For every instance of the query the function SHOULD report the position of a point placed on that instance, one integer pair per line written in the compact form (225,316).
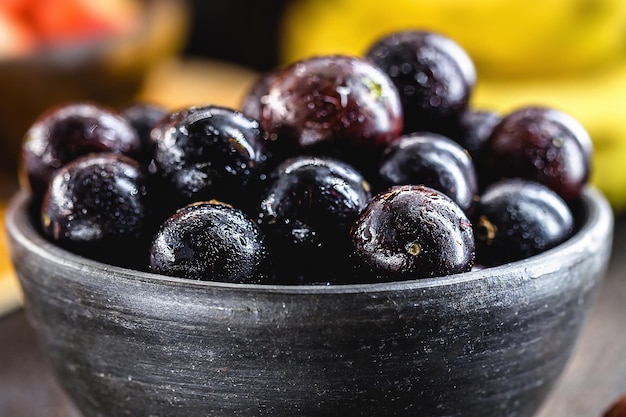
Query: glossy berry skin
(211,241)
(476,128)
(66,132)
(306,214)
(540,144)
(96,206)
(143,117)
(412,232)
(255,98)
(433,74)
(433,160)
(516,218)
(204,153)
(336,105)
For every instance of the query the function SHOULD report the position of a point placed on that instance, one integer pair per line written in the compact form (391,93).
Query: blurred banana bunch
(568,54)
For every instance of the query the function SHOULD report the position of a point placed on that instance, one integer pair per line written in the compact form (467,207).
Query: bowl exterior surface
(489,343)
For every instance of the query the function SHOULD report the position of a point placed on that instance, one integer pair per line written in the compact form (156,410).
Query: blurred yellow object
(597,100)
(178,83)
(568,54)
(10,291)
(504,37)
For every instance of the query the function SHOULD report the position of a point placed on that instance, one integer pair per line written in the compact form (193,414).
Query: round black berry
(307,213)
(413,231)
(516,218)
(66,132)
(205,153)
(96,206)
(540,144)
(433,74)
(341,106)
(433,160)
(211,241)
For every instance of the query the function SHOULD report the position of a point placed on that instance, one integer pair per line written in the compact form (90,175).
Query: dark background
(239,31)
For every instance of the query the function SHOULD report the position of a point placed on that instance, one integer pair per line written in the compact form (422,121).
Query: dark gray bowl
(484,343)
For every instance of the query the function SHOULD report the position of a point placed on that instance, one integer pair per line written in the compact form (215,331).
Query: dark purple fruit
(96,206)
(516,218)
(211,241)
(433,160)
(66,132)
(143,117)
(254,100)
(433,74)
(337,105)
(411,232)
(476,128)
(543,145)
(205,153)
(306,215)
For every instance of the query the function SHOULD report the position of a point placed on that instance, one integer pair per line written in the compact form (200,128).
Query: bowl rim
(598,220)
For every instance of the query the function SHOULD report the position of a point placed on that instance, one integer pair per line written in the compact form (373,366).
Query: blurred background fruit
(54,51)
(49,23)
(504,37)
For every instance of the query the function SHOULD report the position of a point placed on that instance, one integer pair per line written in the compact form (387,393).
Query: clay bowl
(490,342)
(108,70)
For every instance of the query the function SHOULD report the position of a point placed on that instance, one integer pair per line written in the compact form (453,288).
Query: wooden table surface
(593,379)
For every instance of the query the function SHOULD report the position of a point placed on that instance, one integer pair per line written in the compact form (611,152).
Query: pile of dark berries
(336,169)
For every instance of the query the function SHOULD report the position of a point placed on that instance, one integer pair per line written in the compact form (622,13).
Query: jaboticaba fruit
(413,232)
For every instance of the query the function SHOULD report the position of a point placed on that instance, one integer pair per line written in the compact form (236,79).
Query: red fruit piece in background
(58,21)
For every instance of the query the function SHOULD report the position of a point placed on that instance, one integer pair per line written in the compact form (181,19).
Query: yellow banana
(596,99)
(504,37)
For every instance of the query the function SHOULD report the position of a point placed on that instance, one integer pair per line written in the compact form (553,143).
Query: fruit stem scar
(376,89)
(414,249)
(486,231)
